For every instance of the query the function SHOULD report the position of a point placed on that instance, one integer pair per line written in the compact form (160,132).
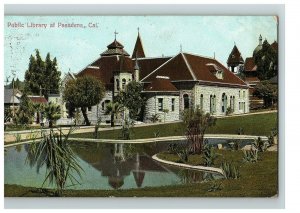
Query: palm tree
(52,113)
(113,109)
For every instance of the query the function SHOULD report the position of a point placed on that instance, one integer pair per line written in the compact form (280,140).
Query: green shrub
(181,150)
(230,171)
(209,155)
(250,156)
(215,187)
(260,145)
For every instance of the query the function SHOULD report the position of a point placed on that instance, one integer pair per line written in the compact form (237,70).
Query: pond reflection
(106,166)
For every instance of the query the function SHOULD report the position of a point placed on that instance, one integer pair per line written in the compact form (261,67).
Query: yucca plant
(230,171)
(209,155)
(250,155)
(55,153)
(260,145)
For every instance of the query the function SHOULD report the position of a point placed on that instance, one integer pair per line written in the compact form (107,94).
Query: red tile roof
(235,57)
(189,67)
(161,84)
(250,65)
(138,51)
(148,65)
(37,99)
(104,67)
(252,79)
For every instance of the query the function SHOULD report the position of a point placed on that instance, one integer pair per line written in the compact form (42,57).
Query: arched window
(215,104)
(201,101)
(224,102)
(232,99)
(123,83)
(186,101)
(118,84)
(212,104)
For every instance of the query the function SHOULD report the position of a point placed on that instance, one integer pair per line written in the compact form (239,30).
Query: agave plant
(55,153)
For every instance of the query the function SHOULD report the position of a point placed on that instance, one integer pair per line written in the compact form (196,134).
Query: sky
(75,48)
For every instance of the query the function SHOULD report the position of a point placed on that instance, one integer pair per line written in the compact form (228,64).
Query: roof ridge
(189,67)
(171,56)
(157,68)
(199,55)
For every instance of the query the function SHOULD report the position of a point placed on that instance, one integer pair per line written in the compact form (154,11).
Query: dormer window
(216,70)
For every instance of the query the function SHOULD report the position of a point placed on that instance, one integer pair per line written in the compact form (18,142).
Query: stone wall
(241,96)
(100,108)
(151,107)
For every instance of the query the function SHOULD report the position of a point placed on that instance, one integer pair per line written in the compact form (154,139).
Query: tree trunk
(112,119)
(50,124)
(86,119)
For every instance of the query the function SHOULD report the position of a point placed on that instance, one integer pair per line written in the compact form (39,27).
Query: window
(201,101)
(239,94)
(118,84)
(232,99)
(89,108)
(212,104)
(186,101)
(224,102)
(123,83)
(173,104)
(160,104)
(244,94)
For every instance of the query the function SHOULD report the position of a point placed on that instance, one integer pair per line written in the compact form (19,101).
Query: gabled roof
(138,51)
(176,68)
(9,98)
(37,99)
(250,65)
(161,84)
(190,67)
(235,57)
(115,48)
(148,65)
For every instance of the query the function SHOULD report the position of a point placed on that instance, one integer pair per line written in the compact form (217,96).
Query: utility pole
(13,84)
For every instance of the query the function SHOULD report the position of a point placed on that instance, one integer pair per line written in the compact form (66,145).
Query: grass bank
(259,124)
(257,179)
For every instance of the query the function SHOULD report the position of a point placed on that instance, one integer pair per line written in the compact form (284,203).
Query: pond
(107,166)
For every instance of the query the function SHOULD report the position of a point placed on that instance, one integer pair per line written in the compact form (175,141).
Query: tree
(268,92)
(25,112)
(132,99)
(196,124)
(52,113)
(113,109)
(266,60)
(83,92)
(42,76)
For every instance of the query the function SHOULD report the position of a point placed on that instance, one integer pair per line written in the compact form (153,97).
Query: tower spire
(116,34)
(260,39)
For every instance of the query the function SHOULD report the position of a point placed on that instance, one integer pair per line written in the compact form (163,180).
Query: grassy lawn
(257,180)
(260,124)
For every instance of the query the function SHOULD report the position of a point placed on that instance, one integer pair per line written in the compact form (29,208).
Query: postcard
(141,106)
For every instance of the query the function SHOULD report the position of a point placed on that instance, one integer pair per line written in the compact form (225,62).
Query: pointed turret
(115,48)
(235,60)
(138,51)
